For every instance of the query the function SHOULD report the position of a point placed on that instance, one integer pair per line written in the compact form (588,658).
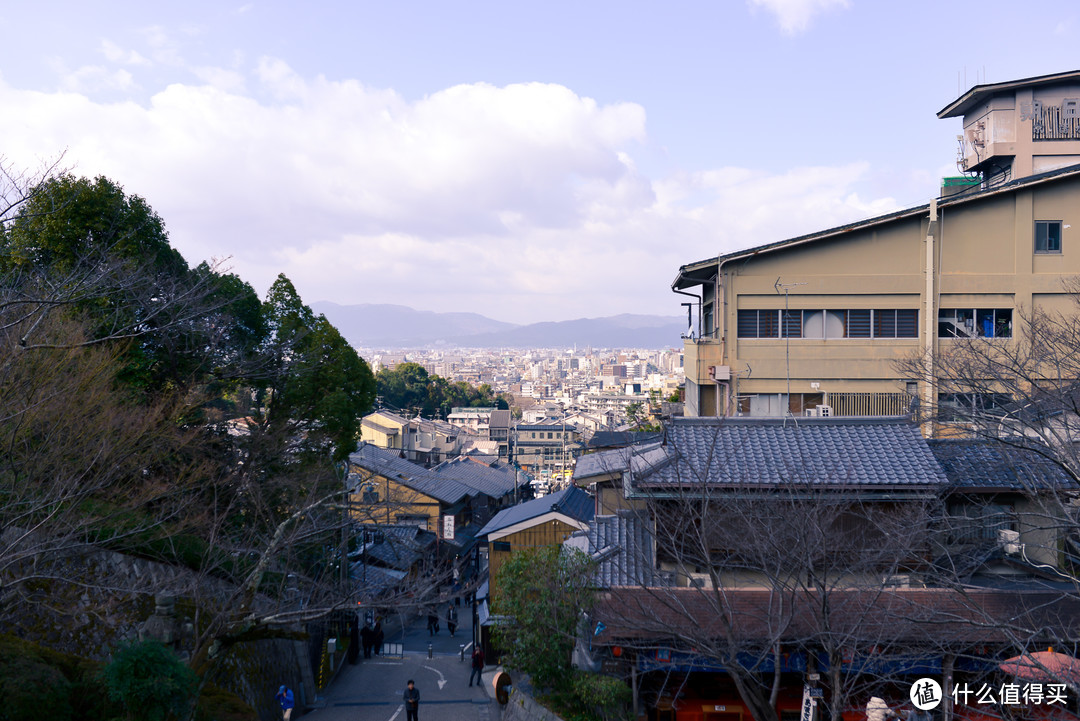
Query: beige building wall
(984,258)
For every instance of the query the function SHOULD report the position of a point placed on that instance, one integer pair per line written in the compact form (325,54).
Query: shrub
(217,704)
(30,687)
(150,681)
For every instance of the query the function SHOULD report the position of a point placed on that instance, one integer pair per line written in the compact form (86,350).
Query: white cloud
(116,54)
(521,202)
(94,78)
(794,16)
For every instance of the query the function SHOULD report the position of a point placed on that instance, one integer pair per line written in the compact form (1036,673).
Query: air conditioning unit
(898,580)
(720,373)
(699,581)
(824,410)
(1009,541)
(812,412)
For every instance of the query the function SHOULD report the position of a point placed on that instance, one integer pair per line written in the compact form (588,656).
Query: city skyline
(525,164)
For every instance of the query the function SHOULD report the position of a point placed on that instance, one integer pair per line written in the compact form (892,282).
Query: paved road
(372,689)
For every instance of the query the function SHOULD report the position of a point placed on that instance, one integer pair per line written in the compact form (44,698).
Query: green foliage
(37,682)
(73,221)
(31,688)
(217,704)
(319,382)
(411,389)
(544,591)
(591,697)
(150,681)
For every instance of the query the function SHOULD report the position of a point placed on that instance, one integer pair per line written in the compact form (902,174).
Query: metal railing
(870,404)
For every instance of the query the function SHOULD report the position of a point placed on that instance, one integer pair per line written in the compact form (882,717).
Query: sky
(526,161)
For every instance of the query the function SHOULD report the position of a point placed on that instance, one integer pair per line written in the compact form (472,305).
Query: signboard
(808,704)
(448,528)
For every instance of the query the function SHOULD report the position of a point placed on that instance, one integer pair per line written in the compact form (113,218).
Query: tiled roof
(622,547)
(995,465)
(495,480)
(389,464)
(825,452)
(571,501)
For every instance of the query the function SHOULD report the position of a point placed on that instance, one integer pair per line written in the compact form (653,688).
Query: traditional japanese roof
(610,462)
(994,465)
(622,547)
(389,464)
(842,453)
(571,503)
(400,547)
(495,480)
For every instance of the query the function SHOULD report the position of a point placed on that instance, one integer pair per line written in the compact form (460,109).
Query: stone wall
(89,602)
(523,707)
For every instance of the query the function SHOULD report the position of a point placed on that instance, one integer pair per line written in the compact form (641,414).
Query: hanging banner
(448,528)
(808,705)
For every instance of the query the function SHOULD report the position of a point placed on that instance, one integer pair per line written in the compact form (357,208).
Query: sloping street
(372,689)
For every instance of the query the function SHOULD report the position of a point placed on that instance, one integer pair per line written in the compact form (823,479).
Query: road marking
(397,712)
(384,663)
(442,679)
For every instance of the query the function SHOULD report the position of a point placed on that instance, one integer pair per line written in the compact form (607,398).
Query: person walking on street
(377,638)
(367,639)
(284,697)
(411,697)
(451,618)
(432,622)
(477,666)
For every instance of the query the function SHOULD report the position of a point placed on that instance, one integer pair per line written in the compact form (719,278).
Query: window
(901,323)
(973,523)
(964,407)
(1047,236)
(975,323)
(825,324)
(759,324)
(857,323)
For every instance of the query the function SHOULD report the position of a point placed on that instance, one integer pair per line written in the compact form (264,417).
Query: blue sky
(527,161)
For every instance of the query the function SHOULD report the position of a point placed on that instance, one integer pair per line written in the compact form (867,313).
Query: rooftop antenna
(787,336)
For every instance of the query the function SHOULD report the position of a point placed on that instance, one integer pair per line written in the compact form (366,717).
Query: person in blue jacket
(285,698)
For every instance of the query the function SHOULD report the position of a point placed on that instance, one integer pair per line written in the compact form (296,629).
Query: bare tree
(770,559)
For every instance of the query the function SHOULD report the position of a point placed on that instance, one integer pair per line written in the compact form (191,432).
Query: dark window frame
(1050,243)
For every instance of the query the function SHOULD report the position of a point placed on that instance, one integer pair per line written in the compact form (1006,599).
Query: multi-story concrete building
(817,323)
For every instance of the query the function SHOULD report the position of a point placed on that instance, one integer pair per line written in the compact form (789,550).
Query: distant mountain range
(381,325)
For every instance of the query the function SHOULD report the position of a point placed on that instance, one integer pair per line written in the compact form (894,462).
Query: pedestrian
(432,622)
(354,640)
(411,697)
(477,665)
(377,637)
(367,639)
(285,698)
(451,618)
(877,709)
